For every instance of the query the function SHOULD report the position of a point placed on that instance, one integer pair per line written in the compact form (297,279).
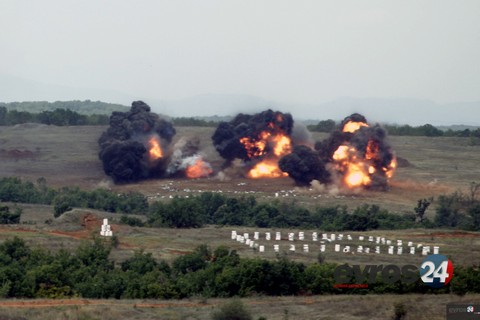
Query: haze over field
(397,62)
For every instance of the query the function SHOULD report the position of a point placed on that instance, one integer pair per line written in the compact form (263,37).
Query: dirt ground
(367,307)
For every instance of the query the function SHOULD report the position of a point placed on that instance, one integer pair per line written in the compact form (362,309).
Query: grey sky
(288,51)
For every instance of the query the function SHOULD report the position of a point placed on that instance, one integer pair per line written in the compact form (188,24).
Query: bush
(131,221)
(400,311)
(6,217)
(232,310)
(60,206)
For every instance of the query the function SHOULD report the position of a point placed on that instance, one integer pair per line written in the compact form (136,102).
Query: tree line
(88,272)
(13,189)
(57,117)
(426,130)
(86,107)
(67,117)
(457,210)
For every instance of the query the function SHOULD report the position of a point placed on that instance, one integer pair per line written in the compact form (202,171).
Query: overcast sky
(288,51)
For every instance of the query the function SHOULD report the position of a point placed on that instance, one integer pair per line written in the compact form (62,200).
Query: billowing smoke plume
(185,160)
(259,140)
(356,155)
(304,165)
(135,145)
(359,154)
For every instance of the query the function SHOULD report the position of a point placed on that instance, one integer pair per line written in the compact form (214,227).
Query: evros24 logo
(435,271)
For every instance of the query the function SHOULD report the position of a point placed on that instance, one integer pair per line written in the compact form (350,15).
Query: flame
(342,153)
(266,169)
(283,145)
(256,148)
(272,146)
(352,126)
(356,176)
(199,169)
(390,170)
(155,151)
(357,170)
(372,152)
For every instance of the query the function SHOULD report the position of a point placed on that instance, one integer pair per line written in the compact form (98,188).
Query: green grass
(67,232)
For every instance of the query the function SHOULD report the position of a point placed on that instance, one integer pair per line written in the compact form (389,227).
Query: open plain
(68,156)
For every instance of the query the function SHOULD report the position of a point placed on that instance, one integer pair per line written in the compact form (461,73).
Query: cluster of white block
(106,230)
(328,238)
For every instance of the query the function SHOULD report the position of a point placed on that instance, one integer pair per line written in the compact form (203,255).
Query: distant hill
(403,111)
(382,110)
(86,107)
(13,88)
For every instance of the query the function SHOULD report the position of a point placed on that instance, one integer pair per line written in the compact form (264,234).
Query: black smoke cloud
(327,147)
(124,146)
(226,137)
(304,165)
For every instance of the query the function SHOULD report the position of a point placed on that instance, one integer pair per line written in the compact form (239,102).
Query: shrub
(232,310)
(6,217)
(400,311)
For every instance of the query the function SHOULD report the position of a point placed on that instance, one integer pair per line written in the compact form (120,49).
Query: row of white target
(245,239)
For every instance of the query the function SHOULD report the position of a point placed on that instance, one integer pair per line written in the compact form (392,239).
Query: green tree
(422,207)
(6,217)
(141,263)
(449,212)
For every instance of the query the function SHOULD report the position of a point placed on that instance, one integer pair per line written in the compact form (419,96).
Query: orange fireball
(283,145)
(271,146)
(352,126)
(155,150)
(357,170)
(266,169)
(199,169)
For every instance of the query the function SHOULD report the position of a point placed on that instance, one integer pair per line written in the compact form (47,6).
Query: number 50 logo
(436,271)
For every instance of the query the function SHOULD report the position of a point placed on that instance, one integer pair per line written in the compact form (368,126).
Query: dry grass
(346,307)
(67,156)
(68,231)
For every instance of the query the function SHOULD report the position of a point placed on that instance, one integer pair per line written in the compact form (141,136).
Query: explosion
(137,145)
(360,154)
(352,126)
(198,169)
(185,161)
(133,146)
(260,140)
(356,155)
(266,169)
(155,151)
(272,147)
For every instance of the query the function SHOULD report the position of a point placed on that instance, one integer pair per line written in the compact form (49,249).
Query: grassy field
(345,307)
(68,156)
(70,230)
